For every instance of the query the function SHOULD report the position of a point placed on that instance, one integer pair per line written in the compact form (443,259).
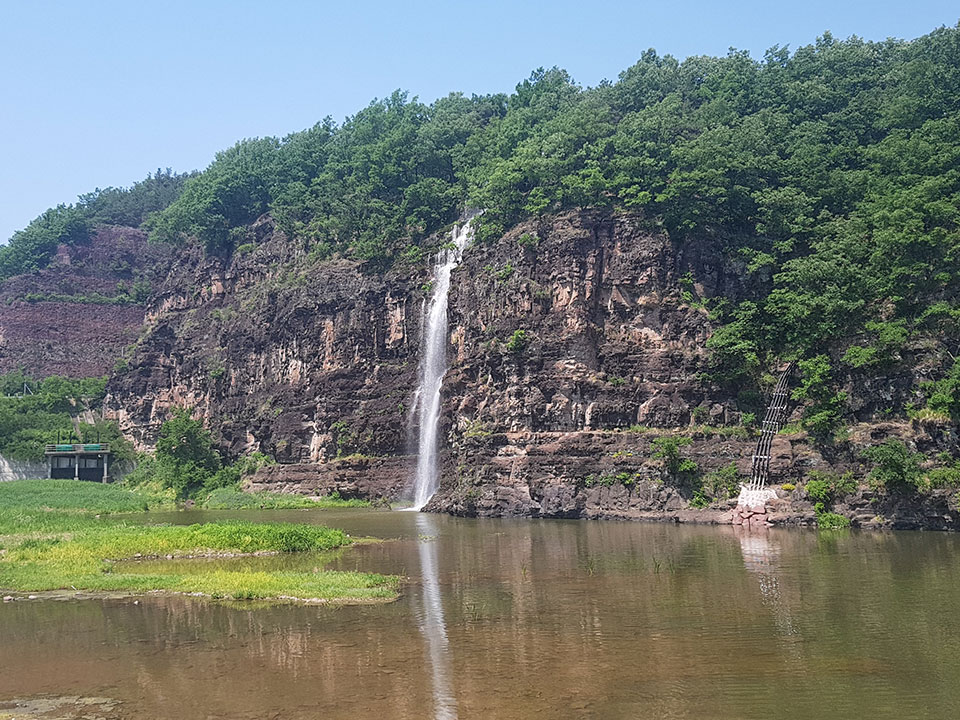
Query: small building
(81,461)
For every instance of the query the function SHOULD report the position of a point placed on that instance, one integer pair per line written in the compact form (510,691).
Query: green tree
(183,439)
(186,458)
(677,468)
(896,467)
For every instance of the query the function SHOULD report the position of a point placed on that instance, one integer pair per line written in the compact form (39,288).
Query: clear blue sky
(98,93)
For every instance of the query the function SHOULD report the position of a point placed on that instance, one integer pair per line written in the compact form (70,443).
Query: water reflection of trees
(561,618)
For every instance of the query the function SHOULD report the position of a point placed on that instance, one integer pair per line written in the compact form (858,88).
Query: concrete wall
(21,469)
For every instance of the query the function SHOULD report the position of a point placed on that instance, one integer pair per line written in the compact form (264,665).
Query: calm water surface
(525,619)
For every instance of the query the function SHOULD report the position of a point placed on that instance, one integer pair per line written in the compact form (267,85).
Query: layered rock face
(574,343)
(305,360)
(605,344)
(57,321)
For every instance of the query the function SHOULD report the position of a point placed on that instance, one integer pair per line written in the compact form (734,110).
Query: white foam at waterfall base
(755,498)
(433,365)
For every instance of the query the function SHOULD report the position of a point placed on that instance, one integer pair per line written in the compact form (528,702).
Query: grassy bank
(58,535)
(81,496)
(39,508)
(231,499)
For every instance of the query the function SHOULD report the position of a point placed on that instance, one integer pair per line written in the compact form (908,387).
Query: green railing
(77,448)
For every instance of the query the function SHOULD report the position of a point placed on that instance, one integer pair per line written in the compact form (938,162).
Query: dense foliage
(187,462)
(832,174)
(33,247)
(896,467)
(34,413)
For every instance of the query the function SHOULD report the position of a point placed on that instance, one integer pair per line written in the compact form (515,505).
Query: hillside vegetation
(830,175)
(33,247)
(34,413)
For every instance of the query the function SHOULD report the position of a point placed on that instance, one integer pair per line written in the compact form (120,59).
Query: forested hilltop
(831,174)
(33,247)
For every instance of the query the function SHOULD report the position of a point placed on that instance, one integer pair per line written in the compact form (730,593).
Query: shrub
(230,476)
(818,491)
(832,521)
(185,440)
(677,467)
(824,489)
(505,273)
(889,338)
(944,477)
(699,500)
(828,487)
(518,342)
(723,483)
(185,462)
(943,396)
(412,255)
(896,467)
(860,357)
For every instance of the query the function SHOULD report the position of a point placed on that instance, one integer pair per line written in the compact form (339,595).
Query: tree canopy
(831,173)
(33,247)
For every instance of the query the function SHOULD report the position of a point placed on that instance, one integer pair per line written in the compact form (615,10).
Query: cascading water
(433,365)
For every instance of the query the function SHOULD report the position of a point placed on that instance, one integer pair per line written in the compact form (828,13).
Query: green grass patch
(36,508)
(68,535)
(232,499)
(79,495)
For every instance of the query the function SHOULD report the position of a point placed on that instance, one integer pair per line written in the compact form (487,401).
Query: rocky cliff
(317,360)
(76,317)
(574,342)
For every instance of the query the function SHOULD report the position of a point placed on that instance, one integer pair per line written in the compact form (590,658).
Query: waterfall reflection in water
(431,621)
(761,556)
(571,620)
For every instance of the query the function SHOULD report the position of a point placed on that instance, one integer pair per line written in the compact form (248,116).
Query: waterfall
(433,364)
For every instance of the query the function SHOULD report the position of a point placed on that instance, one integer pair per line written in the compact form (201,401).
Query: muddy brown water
(524,619)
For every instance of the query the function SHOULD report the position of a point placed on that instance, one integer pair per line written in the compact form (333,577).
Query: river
(521,619)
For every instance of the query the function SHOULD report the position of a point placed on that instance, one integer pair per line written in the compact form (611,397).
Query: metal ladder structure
(772,422)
